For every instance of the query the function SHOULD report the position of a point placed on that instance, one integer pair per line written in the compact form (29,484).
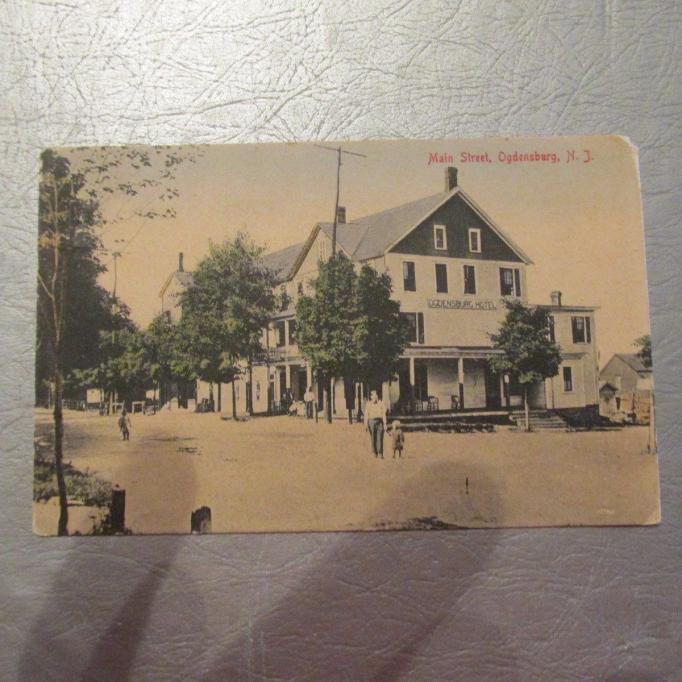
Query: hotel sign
(459,304)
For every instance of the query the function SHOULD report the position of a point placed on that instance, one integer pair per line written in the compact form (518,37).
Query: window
(469,279)
(416,325)
(474,240)
(550,324)
(280,336)
(284,299)
(568,379)
(409,280)
(440,238)
(441,278)
(292,331)
(581,329)
(510,282)
(258,390)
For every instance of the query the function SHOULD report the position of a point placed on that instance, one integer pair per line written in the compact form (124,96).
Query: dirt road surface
(289,474)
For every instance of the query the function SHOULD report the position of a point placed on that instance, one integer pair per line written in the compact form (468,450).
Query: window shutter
(517,281)
(420,327)
(588,331)
(574,329)
(469,279)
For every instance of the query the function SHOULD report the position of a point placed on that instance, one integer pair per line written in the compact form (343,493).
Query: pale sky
(579,222)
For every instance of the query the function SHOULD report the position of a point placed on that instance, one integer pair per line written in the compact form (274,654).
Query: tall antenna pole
(336,206)
(338,151)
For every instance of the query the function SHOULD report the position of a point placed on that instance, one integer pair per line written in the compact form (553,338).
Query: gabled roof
(607,384)
(634,362)
(373,235)
(184,278)
(281,262)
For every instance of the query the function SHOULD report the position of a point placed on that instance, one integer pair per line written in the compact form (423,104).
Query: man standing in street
(375,418)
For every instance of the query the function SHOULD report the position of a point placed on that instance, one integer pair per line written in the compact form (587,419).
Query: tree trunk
(220,396)
(330,387)
(525,406)
(234,401)
(62,528)
(249,393)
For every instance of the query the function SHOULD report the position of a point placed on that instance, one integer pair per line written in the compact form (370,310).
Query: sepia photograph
(343,336)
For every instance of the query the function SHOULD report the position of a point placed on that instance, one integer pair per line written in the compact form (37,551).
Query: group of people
(374,417)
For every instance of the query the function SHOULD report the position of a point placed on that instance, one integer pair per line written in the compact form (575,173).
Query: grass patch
(83,486)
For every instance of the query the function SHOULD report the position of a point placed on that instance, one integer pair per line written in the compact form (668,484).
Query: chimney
(180,264)
(450,178)
(341,215)
(556,298)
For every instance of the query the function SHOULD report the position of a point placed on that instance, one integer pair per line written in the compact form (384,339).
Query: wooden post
(412,382)
(117,510)
(201,521)
(460,380)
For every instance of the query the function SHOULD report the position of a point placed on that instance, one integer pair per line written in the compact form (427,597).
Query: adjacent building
(625,388)
(452,268)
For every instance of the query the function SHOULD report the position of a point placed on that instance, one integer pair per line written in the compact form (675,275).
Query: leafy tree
(528,353)
(326,323)
(72,307)
(123,366)
(66,246)
(644,352)
(225,310)
(166,353)
(380,332)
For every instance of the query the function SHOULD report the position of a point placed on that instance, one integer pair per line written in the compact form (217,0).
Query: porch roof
(434,352)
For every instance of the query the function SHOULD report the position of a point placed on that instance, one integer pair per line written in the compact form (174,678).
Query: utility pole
(338,151)
(328,381)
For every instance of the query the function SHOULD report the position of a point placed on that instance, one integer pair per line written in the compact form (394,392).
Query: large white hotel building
(452,267)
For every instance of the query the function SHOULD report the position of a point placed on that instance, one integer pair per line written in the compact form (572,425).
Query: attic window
(440,239)
(474,240)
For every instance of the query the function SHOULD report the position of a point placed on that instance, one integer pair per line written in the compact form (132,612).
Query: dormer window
(474,240)
(440,238)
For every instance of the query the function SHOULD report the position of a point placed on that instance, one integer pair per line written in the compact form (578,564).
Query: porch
(458,381)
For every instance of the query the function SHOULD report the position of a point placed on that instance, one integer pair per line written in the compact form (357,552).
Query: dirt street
(286,474)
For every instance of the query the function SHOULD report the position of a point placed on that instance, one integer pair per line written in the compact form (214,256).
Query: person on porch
(375,418)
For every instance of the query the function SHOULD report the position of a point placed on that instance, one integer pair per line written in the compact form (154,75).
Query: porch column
(277,387)
(288,373)
(308,376)
(460,379)
(412,382)
(501,389)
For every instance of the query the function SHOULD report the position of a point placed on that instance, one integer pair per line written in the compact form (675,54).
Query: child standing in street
(124,424)
(397,438)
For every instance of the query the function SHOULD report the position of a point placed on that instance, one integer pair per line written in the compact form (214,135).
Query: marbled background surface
(528,605)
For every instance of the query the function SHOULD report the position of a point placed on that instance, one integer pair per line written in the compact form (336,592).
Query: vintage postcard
(375,335)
